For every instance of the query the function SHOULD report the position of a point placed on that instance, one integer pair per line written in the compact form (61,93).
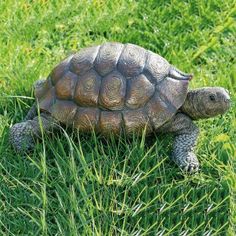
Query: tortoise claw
(190,164)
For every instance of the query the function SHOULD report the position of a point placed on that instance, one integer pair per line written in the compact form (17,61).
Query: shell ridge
(99,91)
(95,58)
(126,92)
(146,59)
(144,65)
(98,51)
(68,64)
(146,72)
(93,63)
(124,47)
(69,68)
(149,118)
(74,89)
(76,110)
(101,77)
(150,97)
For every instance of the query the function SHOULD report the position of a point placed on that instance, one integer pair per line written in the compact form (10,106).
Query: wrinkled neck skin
(191,106)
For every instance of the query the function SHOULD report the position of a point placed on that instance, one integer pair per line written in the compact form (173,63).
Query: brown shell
(112,87)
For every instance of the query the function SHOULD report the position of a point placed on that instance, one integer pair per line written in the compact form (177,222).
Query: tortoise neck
(190,106)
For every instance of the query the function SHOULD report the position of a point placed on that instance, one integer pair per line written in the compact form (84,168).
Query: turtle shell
(112,87)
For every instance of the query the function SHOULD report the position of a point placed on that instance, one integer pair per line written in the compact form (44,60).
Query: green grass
(86,185)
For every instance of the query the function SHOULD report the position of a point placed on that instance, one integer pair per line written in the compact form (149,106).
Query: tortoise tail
(179,75)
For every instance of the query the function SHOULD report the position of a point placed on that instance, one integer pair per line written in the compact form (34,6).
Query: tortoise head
(207,102)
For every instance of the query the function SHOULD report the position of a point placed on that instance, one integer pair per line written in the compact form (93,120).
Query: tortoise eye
(212,97)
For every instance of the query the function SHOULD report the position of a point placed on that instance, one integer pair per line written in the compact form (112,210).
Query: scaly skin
(22,134)
(206,102)
(186,133)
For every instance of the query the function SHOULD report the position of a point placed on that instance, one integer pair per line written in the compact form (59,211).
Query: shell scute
(110,122)
(46,102)
(64,111)
(87,89)
(112,93)
(82,61)
(156,66)
(139,91)
(136,121)
(58,72)
(132,60)
(65,86)
(159,110)
(86,119)
(175,91)
(107,58)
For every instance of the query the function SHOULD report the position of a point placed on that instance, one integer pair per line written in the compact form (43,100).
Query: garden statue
(114,88)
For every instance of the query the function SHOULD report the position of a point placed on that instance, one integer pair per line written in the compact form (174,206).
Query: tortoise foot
(187,161)
(21,137)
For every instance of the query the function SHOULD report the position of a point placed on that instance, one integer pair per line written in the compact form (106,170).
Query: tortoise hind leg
(186,133)
(22,134)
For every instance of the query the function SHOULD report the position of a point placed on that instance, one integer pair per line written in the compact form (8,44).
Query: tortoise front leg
(186,134)
(22,134)
(31,113)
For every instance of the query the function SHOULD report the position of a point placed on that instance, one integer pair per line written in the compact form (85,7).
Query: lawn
(75,184)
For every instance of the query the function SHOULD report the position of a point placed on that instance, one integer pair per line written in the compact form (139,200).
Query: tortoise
(114,88)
